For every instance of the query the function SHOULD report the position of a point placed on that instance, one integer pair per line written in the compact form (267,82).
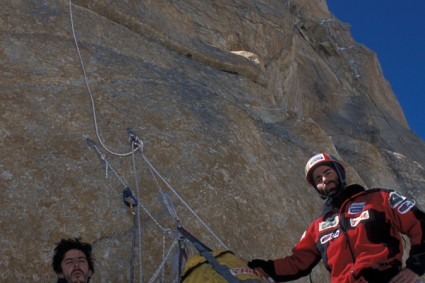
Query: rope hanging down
(139,145)
(128,198)
(142,154)
(86,81)
(131,201)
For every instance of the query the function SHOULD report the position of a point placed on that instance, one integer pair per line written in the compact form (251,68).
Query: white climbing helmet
(321,159)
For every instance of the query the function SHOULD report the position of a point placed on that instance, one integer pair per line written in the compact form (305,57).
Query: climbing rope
(86,81)
(128,198)
(182,200)
(132,202)
(136,182)
(108,166)
(126,188)
(161,265)
(133,243)
(139,143)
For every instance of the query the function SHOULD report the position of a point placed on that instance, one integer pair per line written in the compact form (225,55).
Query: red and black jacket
(360,239)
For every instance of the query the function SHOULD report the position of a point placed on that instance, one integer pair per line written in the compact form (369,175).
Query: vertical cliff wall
(229,98)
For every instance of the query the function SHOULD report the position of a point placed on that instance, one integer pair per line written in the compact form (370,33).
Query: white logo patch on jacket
(329,223)
(326,238)
(356,207)
(355,221)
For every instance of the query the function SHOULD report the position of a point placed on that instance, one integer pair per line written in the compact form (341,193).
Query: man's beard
(332,191)
(81,279)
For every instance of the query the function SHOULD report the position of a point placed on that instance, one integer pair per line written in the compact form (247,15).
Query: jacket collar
(333,204)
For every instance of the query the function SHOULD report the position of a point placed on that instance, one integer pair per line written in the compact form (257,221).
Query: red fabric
(364,234)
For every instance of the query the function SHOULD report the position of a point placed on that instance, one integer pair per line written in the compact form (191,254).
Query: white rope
(165,231)
(182,200)
(162,228)
(107,164)
(152,168)
(163,258)
(158,270)
(88,87)
(166,199)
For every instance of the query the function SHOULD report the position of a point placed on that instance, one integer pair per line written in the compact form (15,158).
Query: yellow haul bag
(199,270)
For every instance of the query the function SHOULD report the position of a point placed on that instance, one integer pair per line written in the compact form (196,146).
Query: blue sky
(395,31)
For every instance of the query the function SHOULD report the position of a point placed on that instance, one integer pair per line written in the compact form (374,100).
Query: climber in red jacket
(358,234)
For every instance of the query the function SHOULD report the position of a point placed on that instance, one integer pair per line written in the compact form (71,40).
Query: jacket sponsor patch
(356,207)
(326,238)
(329,223)
(395,199)
(406,206)
(403,204)
(355,221)
(319,157)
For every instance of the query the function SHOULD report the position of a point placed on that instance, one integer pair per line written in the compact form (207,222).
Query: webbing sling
(206,253)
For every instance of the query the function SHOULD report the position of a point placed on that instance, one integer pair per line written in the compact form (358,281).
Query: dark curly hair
(70,244)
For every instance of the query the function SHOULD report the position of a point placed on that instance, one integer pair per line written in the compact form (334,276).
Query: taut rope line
(127,192)
(184,202)
(137,145)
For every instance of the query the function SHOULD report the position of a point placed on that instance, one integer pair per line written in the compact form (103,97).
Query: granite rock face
(227,99)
